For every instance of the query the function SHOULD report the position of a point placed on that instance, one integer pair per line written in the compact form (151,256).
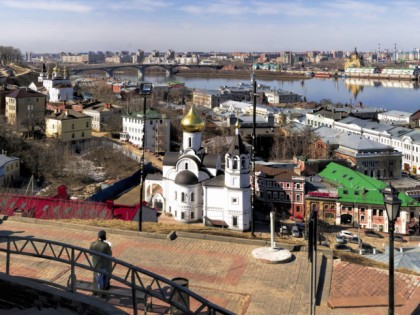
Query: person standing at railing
(102,265)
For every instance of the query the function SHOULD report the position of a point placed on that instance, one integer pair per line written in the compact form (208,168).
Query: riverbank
(259,74)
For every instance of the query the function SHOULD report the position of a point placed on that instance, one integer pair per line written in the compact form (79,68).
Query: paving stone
(222,272)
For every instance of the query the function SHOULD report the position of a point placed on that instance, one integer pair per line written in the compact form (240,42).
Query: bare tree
(297,142)
(9,54)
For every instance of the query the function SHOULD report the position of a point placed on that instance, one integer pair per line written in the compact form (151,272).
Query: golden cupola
(192,122)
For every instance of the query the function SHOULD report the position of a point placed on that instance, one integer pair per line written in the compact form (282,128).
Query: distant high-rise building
(28,56)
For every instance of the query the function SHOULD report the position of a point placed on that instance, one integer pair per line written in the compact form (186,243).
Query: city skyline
(185,25)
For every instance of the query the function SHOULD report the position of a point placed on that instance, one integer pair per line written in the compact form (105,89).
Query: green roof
(356,187)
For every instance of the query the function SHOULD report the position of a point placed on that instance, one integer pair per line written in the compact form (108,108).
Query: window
(186,166)
(182,215)
(183,197)
(176,195)
(275,195)
(287,197)
(235,221)
(235,201)
(268,184)
(362,218)
(72,135)
(235,164)
(381,213)
(192,215)
(72,126)
(374,212)
(83,134)
(87,124)
(297,186)
(297,208)
(269,195)
(192,197)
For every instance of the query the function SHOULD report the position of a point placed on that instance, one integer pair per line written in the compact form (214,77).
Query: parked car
(398,238)
(300,225)
(371,233)
(355,240)
(284,230)
(325,243)
(296,232)
(346,234)
(367,248)
(340,239)
(342,247)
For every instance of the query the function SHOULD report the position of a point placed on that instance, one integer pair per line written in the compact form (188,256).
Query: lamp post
(392,205)
(254,114)
(145,90)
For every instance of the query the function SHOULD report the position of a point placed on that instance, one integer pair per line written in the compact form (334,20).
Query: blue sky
(217,25)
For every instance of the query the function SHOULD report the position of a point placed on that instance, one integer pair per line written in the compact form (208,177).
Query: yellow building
(355,61)
(25,109)
(68,125)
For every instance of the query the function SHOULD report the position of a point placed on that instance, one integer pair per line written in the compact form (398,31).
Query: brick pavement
(358,285)
(224,273)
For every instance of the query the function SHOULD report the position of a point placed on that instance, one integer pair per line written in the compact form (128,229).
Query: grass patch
(161,228)
(166,228)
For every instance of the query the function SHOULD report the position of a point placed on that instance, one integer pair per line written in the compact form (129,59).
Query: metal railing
(132,277)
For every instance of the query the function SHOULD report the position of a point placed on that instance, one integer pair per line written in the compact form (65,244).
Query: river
(389,94)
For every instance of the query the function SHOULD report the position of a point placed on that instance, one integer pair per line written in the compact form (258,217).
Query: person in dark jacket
(102,265)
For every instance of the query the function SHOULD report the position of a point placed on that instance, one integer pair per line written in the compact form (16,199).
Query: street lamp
(392,205)
(145,91)
(254,114)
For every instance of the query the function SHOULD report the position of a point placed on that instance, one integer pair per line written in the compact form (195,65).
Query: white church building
(194,187)
(57,86)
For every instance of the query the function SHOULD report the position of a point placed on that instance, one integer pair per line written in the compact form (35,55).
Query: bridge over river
(141,68)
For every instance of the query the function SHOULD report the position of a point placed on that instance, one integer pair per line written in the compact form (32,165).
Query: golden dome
(56,69)
(192,122)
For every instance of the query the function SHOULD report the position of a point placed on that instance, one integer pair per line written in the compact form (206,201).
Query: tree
(160,138)
(297,142)
(9,54)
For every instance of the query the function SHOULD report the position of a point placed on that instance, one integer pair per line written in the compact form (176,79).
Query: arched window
(183,197)
(186,165)
(235,163)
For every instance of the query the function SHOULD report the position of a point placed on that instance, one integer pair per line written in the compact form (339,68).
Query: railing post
(133,291)
(8,256)
(72,273)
